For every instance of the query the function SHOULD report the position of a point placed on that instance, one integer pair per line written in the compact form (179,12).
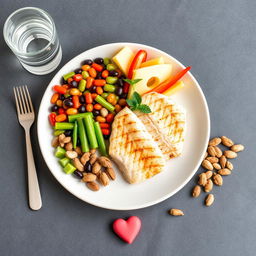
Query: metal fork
(26,116)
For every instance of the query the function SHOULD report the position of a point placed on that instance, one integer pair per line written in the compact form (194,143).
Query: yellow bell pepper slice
(173,89)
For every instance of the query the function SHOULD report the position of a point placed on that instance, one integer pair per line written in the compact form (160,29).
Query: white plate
(120,195)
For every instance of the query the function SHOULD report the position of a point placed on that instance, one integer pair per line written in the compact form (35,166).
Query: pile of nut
(217,165)
(89,167)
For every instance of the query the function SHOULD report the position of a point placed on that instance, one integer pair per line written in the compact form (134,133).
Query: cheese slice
(152,62)
(151,77)
(123,59)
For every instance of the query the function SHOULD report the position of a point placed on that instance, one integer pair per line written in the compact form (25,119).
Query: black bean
(78,174)
(99,60)
(123,96)
(68,133)
(96,112)
(88,167)
(98,76)
(82,99)
(54,108)
(120,82)
(113,73)
(106,137)
(87,62)
(74,83)
(119,91)
(78,71)
(63,81)
(82,109)
(93,89)
(62,97)
(68,102)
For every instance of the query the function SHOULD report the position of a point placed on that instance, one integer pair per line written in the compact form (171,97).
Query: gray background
(218,39)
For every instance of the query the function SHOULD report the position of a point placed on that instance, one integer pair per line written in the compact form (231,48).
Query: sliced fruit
(179,85)
(151,77)
(123,59)
(152,62)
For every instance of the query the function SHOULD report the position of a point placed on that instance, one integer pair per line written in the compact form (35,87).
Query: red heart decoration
(127,229)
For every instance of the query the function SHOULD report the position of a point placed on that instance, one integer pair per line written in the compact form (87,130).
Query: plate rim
(168,195)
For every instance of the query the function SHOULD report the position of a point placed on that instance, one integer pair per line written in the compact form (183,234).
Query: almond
(93,158)
(212,159)
(208,186)
(230,154)
(71,154)
(202,179)
(216,166)
(55,142)
(229,165)
(209,200)
(215,141)
(224,172)
(218,151)
(226,141)
(237,148)
(196,191)
(93,186)
(89,177)
(217,180)
(96,168)
(85,158)
(223,161)
(211,151)
(208,174)
(105,162)
(104,179)
(69,146)
(78,164)
(176,212)
(111,173)
(207,165)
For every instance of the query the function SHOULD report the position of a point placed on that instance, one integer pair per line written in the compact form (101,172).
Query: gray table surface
(218,39)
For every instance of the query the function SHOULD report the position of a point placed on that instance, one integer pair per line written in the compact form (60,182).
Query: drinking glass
(31,34)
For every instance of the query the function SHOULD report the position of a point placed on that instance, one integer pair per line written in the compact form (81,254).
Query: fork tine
(23,100)
(26,98)
(29,99)
(20,101)
(16,101)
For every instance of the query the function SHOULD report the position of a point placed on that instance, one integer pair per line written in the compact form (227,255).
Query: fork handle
(35,201)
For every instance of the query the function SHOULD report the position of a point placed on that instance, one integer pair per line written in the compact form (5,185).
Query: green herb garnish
(132,82)
(135,103)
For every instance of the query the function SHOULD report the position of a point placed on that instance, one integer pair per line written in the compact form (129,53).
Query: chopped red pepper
(78,77)
(52,120)
(97,67)
(59,89)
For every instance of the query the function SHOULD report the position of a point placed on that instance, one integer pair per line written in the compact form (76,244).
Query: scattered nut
(229,165)
(85,157)
(215,141)
(226,141)
(93,158)
(223,161)
(96,168)
(207,165)
(216,166)
(55,142)
(111,173)
(202,179)
(69,146)
(237,148)
(78,150)
(105,162)
(61,138)
(93,186)
(196,191)
(211,151)
(208,174)
(209,200)
(176,212)
(218,151)
(212,159)
(230,154)
(104,112)
(208,186)
(89,177)
(104,179)
(93,151)
(224,172)
(217,180)
(66,140)
(71,154)
(78,164)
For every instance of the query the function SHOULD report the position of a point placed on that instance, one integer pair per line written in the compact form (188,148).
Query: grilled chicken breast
(133,149)
(166,123)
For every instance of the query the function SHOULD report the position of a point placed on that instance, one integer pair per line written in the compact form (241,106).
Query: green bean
(100,139)
(104,103)
(109,88)
(72,118)
(85,74)
(58,132)
(88,122)
(68,75)
(111,67)
(74,135)
(69,168)
(104,95)
(82,135)
(60,152)
(63,126)
(106,61)
(111,79)
(82,85)
(64,161)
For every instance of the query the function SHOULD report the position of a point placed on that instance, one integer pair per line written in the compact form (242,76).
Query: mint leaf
(144,108)
(132,82)
(131,102)
(136,97)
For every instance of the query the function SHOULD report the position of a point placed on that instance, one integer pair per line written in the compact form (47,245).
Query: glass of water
(31,34)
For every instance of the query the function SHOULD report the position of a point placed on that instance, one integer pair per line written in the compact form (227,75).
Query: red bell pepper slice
(52,119)
(170,82)
(59,89)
